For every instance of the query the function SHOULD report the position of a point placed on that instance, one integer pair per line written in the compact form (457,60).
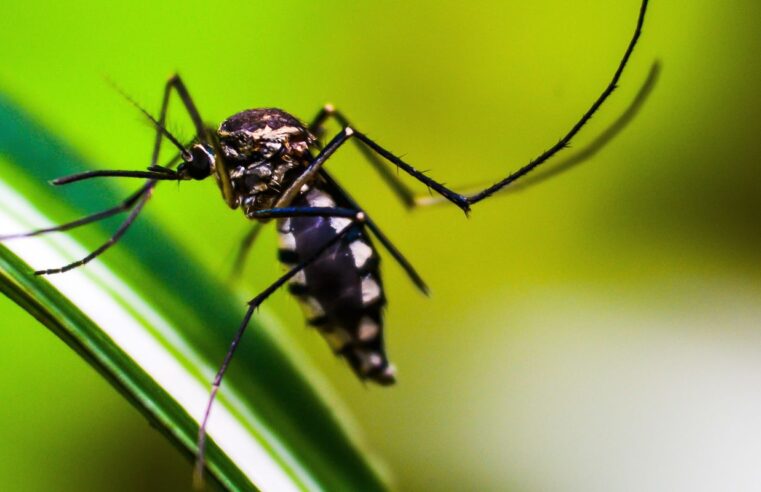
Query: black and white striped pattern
(341,292)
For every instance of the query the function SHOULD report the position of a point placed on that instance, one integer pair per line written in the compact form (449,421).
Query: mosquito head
(198,163)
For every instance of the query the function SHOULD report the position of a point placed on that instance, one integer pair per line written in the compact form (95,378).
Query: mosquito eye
(200,163)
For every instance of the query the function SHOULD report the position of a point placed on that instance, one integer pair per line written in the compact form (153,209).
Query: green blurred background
(598,332)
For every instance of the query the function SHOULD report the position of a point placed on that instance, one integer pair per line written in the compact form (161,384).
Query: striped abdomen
(341,292)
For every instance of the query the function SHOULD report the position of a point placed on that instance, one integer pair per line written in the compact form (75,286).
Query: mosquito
(273,167)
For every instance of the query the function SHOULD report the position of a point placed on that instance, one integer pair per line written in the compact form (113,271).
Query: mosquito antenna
(156,123)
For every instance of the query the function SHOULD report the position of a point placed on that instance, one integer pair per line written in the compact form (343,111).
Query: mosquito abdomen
(341,292)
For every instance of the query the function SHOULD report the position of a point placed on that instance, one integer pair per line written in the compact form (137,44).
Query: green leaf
(156,328)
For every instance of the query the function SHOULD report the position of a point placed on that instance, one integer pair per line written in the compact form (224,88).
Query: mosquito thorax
(264,151)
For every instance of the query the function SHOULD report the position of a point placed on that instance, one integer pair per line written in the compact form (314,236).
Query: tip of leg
(198,479)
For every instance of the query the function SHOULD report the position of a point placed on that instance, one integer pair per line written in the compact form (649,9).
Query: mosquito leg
(404,193)
(125,205)
(580,156)
(271,213)
(176,83)
(464,202)
(393,251)
(460,200)
(313,168)
(138,206)
(252,305)
(284,212)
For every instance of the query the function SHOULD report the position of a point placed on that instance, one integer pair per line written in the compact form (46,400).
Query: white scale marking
(287,241)
(375,360)
(368,361)
(370,290)
(368,329)
(285,225)
(268,133)
(317,198)
(339,223)
(390,371)
(299,278)
(361,252)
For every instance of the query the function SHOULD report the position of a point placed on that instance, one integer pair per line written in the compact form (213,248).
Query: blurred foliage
(570,329)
